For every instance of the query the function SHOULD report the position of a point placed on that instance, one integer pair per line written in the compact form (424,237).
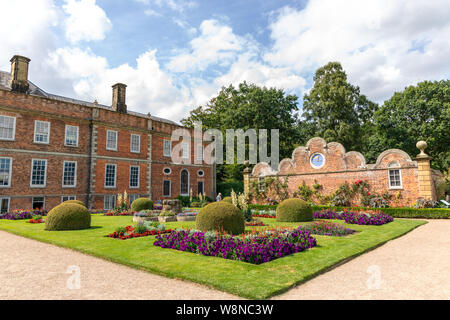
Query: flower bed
(255,249)
(116,214)
(361,218)
(264,213)
(327,228)
(255,223)
(35,221)
(22,214)
(129,233)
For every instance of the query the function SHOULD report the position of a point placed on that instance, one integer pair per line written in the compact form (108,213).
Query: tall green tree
(336,110)
(249,107)
(420,112)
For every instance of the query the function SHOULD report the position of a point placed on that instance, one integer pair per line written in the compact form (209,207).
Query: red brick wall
(341,166)
(27,108)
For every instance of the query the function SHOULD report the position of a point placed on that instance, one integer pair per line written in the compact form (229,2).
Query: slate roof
(36,91)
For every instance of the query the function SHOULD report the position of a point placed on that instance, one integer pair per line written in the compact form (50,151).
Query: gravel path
(415,266)
(31,269)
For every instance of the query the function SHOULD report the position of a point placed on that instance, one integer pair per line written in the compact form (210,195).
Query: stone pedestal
(426,186)
(172,205)
(246,173)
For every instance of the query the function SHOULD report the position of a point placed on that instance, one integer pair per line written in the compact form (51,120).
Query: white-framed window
(135,143)
(109,202)
(111,140)
(110,175)
(4,204)
(199,155)
(38,177)
(167,148)
(41,132)
(167,188)
(200,173)
(71,139)
(5,172)
(262,184)
(185,150)
(38,203)
(395,179)
(69,174)
(167,171)
(134,176)
(67,198)
(7,128)
(133,197)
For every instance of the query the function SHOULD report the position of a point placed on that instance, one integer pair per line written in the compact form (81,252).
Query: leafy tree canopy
(245,107)
(420,112)
(335,110)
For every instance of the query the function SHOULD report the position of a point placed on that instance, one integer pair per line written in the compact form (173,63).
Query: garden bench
(447,205)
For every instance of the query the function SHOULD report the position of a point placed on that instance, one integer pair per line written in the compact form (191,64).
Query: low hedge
(294,210)
(426,213)
(142,204)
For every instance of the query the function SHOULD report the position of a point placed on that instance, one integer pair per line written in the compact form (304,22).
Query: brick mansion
(54,148)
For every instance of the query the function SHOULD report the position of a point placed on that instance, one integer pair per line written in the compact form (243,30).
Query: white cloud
(373,39)
(86,21)
(25,29)
(216,44)
(150,89)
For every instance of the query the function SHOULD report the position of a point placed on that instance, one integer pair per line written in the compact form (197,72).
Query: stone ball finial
(247,163)
(422,145)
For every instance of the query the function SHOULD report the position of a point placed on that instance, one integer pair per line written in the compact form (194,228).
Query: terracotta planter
(186,218)
(167,219)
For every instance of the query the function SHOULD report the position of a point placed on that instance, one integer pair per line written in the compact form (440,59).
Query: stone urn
(173,205)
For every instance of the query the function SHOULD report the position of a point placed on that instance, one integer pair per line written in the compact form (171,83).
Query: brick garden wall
(341,166)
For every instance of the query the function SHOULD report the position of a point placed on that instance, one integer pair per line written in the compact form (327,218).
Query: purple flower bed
(327,228)
(375,219)
(255,250)
(22,215)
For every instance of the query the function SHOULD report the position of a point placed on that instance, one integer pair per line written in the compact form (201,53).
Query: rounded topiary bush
(220,216)
(227,199)
(294,210)
(142,204)
(75,201)
(68,216)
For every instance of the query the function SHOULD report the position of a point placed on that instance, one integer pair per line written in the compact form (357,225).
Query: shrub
(142,204)
(68,216)
(185,200)
(140,228)
(225,187)
(75,201)
(228,199)
(220,216)
(294,210)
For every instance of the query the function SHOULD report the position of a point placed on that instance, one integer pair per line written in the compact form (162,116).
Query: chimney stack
(119,94)
(19,74)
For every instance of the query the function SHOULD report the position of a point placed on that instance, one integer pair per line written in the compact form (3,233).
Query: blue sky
(175,55)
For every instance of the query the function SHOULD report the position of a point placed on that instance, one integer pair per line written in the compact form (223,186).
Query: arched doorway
(184,182)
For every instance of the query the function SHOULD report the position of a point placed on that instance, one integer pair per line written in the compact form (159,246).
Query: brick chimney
(19,74)
(119,94)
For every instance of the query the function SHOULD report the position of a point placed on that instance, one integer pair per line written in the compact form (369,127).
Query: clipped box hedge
(427,213)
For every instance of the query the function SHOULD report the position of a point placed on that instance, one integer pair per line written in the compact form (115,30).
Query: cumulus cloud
(383,45)
(216,44)
(86,21)
(26,29)
(150,89)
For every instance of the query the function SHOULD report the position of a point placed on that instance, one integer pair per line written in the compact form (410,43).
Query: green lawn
(243,279)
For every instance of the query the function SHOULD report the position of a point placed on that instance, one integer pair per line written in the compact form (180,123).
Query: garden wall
(394,174)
